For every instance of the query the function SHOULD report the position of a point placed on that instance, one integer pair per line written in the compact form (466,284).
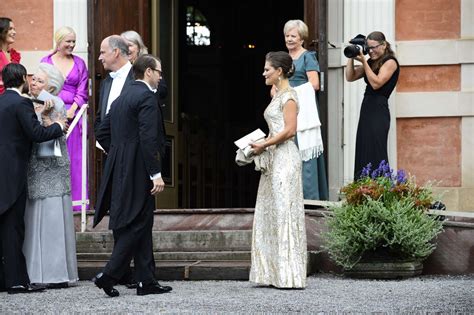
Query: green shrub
(381,212)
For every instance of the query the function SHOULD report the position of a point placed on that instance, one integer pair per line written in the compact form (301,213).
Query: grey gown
(279,234)
(50,242)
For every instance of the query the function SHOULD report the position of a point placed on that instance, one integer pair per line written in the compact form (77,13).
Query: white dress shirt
(118,80)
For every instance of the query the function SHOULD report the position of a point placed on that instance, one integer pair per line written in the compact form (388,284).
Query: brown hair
(380,38)
(281,59)
(142,63)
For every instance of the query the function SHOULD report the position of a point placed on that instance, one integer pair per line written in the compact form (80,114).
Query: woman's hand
(39,108)
(70,113)
(258,147)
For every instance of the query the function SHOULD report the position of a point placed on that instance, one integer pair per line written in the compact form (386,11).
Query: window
(197,30)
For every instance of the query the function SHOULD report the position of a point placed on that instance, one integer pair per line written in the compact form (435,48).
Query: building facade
(432,108)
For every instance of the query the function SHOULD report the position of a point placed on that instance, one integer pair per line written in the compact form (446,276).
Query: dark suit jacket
(133,137)
(19,128)
(104,92)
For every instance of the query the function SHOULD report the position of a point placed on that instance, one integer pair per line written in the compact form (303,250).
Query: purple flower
(366,170)
(401,176)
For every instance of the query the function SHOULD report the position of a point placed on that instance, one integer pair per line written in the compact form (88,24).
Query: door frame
(169,197)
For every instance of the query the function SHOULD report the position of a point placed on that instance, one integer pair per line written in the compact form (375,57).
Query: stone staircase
(179,255)
(189,244)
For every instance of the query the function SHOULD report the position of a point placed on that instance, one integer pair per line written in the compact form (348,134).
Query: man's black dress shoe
(152,288)
(28,288)
(105,283)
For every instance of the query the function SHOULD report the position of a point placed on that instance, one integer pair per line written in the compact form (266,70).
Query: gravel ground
(324,294)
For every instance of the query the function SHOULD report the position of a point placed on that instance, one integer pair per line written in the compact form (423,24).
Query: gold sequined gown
(279,234)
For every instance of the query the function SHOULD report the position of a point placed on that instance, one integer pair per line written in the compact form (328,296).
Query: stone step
(185,219)
(182,270)
(172,241)
(177,256)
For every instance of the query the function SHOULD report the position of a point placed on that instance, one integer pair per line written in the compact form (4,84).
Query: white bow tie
(113,75)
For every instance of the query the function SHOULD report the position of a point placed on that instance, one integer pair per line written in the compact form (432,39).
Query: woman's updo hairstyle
(379,37)
(281,59)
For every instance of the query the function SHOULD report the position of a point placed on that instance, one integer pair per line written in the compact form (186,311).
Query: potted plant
(382,229)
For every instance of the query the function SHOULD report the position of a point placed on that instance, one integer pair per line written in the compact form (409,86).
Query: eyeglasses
(159,71)
(373,47)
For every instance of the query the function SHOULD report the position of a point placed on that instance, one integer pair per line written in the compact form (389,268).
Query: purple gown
(75,90)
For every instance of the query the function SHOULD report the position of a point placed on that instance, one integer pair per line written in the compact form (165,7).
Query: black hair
(142,63)
(13,75)
(4,27)
(281,59)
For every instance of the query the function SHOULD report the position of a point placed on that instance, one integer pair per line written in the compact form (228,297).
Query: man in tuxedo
(114,57)
(133,137)
(19,128)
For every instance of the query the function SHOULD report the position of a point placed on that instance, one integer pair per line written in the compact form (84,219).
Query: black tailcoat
(133,137)
(19,128)
(104,92)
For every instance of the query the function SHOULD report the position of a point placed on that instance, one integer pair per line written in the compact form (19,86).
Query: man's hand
(64,123)
(158,186)
(66,126)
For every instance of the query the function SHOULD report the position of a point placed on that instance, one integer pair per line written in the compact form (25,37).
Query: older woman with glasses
(380,72)
(50,242)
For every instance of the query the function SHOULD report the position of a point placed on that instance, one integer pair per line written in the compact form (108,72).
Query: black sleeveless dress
(374,124)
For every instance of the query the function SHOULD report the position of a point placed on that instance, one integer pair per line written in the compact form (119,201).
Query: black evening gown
(374,124)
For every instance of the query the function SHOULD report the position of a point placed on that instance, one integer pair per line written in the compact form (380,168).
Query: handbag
(51,148)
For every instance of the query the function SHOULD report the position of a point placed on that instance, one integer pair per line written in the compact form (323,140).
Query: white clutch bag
(244,154)
(49,148)
(244,142)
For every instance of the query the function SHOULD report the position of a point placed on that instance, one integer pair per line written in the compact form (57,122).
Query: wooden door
(107,17)
(316,12)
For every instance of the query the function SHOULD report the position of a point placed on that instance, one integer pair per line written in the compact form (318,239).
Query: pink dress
(15,58)
(75,89)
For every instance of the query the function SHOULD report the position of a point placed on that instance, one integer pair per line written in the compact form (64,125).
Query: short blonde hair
(300,26)
(61,33)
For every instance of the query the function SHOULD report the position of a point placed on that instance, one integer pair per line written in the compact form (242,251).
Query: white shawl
(310,142)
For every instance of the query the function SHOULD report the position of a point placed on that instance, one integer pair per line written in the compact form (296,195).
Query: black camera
(359,42)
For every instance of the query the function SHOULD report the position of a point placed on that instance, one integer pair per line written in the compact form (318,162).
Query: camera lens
(351,51)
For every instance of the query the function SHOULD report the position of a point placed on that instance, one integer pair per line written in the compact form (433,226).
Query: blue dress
(315,184)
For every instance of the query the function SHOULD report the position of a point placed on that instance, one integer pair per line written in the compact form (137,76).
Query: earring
(279,78)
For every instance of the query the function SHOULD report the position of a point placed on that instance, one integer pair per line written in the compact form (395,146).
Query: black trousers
(134,241)
(12,235)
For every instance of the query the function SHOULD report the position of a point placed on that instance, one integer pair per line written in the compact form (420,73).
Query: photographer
(380,73)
